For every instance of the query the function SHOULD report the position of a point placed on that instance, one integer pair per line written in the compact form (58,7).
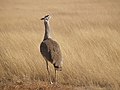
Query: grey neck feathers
(47,30)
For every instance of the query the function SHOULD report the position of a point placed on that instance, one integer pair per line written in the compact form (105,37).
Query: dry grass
(88,32)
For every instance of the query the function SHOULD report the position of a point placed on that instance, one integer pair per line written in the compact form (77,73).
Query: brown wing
(55,52)
(44,49)
(51,50)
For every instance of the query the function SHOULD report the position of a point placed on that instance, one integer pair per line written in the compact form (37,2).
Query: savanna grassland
(88,32)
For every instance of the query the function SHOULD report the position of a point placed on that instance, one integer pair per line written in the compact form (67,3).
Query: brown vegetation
(88,32)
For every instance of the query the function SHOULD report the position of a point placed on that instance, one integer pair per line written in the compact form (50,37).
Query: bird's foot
(51,82)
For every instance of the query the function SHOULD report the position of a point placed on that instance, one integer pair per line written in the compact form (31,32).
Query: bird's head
(46,18)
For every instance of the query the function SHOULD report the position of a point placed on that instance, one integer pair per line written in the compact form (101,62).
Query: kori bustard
(50,50)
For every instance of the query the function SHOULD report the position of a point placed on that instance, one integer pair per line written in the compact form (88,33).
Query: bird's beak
(42,19)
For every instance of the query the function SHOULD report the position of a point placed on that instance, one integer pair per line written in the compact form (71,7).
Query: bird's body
(51,52)
(50,49)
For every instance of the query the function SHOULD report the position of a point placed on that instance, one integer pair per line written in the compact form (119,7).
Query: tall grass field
(88,32)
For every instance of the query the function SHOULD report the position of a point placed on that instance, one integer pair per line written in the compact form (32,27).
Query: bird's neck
(47,30)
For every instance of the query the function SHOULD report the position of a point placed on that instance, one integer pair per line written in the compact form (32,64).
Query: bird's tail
(57,67)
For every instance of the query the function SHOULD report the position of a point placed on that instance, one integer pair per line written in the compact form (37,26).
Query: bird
(50,50)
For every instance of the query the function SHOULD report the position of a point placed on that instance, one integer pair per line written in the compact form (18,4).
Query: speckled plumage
(51,51)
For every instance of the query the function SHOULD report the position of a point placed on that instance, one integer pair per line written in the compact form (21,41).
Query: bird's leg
(55,76)
(49,73)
